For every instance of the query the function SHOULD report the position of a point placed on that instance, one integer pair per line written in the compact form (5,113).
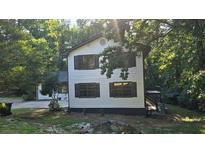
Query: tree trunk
(201,54)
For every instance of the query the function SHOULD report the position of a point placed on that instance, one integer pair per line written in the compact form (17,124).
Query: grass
(41,121)
(182,111)
(185,122)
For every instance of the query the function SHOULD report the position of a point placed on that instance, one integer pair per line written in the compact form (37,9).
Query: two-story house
(90,91)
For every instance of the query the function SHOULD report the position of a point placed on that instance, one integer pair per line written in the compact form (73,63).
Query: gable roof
(84,42)
(146,49)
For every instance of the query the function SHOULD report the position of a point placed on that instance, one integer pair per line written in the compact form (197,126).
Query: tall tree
(176,61)
(29,50)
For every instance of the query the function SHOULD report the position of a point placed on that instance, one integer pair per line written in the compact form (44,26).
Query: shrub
(54,105)
(197,88)
(28,97)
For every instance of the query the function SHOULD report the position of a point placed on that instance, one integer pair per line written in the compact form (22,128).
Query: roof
(84,42)
(145,48)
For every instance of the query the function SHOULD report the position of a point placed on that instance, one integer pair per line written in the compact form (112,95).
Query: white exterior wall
(87,76)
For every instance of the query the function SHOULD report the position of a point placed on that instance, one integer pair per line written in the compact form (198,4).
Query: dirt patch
(104,127)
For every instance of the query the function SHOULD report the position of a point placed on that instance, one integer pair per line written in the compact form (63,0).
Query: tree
(29,49)
(50,84)
(176,60)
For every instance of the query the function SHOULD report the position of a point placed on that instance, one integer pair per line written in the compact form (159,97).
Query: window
(130,61)
(87,90)
(83,62)
(123,89)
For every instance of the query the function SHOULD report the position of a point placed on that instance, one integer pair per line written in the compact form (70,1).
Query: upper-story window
(85,62)
(129,61)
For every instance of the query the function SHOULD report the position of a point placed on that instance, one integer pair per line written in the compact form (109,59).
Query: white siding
(86,76)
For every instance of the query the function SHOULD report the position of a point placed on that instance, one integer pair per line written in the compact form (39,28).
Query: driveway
(19,103)
(37,104)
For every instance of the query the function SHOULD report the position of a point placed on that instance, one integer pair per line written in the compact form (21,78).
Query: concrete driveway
(19,103)
(37,104)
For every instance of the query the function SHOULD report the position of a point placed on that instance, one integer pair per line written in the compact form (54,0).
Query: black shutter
(76,64)
(134,89)
(77,90)
(97,90)
(111,87)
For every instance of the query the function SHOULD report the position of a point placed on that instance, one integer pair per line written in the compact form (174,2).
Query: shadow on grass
(184,121)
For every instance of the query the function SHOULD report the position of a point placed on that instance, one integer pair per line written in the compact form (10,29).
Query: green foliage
(107,64)
(176,62)
(30,95)
(28,50)
(31,49)
(50,85)
(196,86)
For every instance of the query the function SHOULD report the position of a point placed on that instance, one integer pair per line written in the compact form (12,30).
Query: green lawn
(178,120)
(182,121)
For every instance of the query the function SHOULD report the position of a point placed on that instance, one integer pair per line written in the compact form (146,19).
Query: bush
(201,106)
(191,91)
(54,105)
(197,88)
(28,97)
